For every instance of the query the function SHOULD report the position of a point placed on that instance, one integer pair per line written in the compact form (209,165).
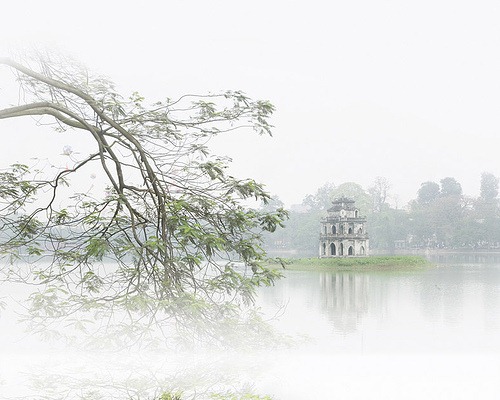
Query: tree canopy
(428,192)
(489,186)
(450,187)
(441,216)
(160,243)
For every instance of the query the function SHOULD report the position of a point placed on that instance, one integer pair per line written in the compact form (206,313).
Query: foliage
(161,242)
(322,199)
(428,192)
(246,396)
(354,191)
(300,234)
(379,192)
(170,396)
(440,217)
(450,187)
(218,396)
(489,186)
(387,226)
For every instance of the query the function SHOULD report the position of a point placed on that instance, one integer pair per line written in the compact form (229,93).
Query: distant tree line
(440,216)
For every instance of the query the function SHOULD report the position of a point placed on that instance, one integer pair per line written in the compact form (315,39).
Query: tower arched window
(333,249)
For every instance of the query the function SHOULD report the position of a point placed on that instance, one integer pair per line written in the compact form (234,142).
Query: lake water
(432,334)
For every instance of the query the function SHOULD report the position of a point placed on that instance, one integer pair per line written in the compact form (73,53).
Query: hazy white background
(407,90)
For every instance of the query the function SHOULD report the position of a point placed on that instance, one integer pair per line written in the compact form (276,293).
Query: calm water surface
(426,334)
(432,334)
(452,308)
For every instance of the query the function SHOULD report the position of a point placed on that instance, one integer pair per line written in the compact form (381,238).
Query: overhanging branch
(43,108)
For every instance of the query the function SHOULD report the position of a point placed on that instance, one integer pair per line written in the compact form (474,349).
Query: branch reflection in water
(425,334)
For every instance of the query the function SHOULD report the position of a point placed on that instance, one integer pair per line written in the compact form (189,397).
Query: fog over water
(409,91)
(431,334)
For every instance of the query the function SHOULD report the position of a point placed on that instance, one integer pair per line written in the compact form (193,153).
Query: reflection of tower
(345,298)
(343,232)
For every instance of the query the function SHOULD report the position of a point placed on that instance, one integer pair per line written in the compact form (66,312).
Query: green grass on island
(371,263)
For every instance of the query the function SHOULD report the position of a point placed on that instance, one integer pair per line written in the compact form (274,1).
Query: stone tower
(343,232)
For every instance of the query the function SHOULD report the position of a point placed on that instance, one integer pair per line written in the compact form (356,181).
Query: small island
(344,246)
(370,263)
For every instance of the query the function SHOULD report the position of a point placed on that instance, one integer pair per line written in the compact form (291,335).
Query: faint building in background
(343,232)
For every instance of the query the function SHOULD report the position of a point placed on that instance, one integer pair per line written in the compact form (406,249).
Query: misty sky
(407,90)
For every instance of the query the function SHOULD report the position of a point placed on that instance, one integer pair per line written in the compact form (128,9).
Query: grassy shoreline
(372,263)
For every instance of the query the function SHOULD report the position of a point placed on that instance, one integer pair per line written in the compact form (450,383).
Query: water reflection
(453,307)
(105,376)
(429,332)
(344,298)
(441,295)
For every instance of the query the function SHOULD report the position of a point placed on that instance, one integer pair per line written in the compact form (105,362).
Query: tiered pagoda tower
(343,232)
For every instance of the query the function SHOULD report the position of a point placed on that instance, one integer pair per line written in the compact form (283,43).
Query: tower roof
(342,202)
